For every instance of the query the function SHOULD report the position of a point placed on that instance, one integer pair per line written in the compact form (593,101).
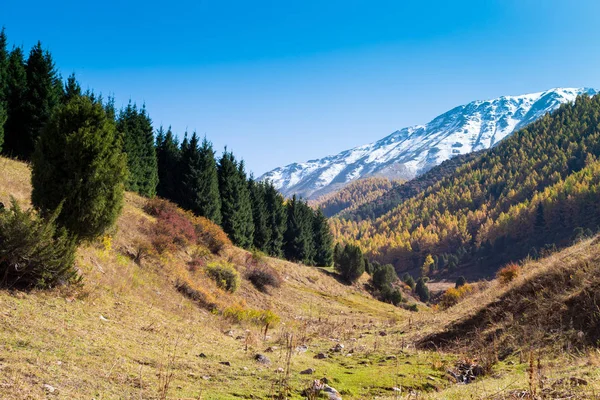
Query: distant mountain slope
(357,193)
(412,151)
(537,189)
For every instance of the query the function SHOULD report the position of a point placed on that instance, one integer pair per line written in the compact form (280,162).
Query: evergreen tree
(384,276)
(323,240)
(245,208)
(236,209)
(298,244)
(78,164)
(260,214)
(422,290)
(71,89)
(138,142)
(41,98)
(350,263)
(3,84)
(276,220)
(168,158)
(16,87)
(208,196)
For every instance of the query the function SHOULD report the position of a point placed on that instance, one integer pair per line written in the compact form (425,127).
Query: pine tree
(3,84)
(260,215)
(276,220)
(168,158)
(323,240)
(16,87)
(71,89)
(136,127)
(41,97)
(236,209)
(245,208)
(78,165)
(350,263)
(298,244)
(208,197)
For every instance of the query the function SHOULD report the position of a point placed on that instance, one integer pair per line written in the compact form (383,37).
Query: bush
(461,281)
(508,273)
(78,162)
(211,235)
(391,295)
(225,276)
(174,228)
(263,276)
(33,253)
(453,295)
(238,314)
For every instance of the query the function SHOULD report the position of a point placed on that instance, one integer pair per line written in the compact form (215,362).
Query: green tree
(209,199)
(422,290)
(350,263)
(276,220)
(168,158)
(323,240)
(78,163)
(41,97)
(409,280)
(236,209)
(3,84)
(71,89)
(384,276)
(138,143)
(260,214)
(298,244)
(16,88)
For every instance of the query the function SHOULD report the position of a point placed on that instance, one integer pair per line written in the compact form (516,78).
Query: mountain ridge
(412,151)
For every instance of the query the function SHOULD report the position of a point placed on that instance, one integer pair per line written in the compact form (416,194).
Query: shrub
(453,295)
(508,273)
(225,276)
(33,253)
(78,162)
(391,295)
(239,314)
(263,276)
(206,300)
(211,235)
(174,228)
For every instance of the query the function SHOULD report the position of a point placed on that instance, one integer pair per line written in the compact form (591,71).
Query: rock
(49,388)
(206,377)
(391,357)
(308,371)
(262,359)
(229,333)
(319,386)
(321,356)
(102,318)
(302,349)
(226,363)
(430,378)
(240,337)
(280,370)
(396,389)
(577,381)
(202,355)
(271,349)
(383,333)
(338,347)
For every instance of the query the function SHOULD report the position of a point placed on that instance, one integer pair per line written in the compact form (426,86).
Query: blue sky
(285,81)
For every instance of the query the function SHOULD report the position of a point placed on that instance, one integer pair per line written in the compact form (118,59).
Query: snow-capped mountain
(412,151)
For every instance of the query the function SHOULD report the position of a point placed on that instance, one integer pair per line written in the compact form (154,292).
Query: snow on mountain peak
(414,150)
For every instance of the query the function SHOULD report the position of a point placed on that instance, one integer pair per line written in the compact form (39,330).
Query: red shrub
(211,235)
(508,273)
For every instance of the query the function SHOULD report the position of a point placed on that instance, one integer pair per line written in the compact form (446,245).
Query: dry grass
(128,333)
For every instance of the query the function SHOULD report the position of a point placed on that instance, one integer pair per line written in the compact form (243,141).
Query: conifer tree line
(42,117)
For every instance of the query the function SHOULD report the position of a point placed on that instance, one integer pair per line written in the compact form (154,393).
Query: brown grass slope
(555,304)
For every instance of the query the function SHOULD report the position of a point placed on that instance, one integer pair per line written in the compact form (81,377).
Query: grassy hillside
(126,332)
(536,190)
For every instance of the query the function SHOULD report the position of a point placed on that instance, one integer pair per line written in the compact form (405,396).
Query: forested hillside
(354,195)
(537,189)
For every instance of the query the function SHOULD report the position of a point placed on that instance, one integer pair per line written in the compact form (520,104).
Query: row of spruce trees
(252,213)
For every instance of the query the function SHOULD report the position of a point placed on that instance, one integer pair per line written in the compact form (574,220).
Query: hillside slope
(126,332)
(536,190)
(412,151)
